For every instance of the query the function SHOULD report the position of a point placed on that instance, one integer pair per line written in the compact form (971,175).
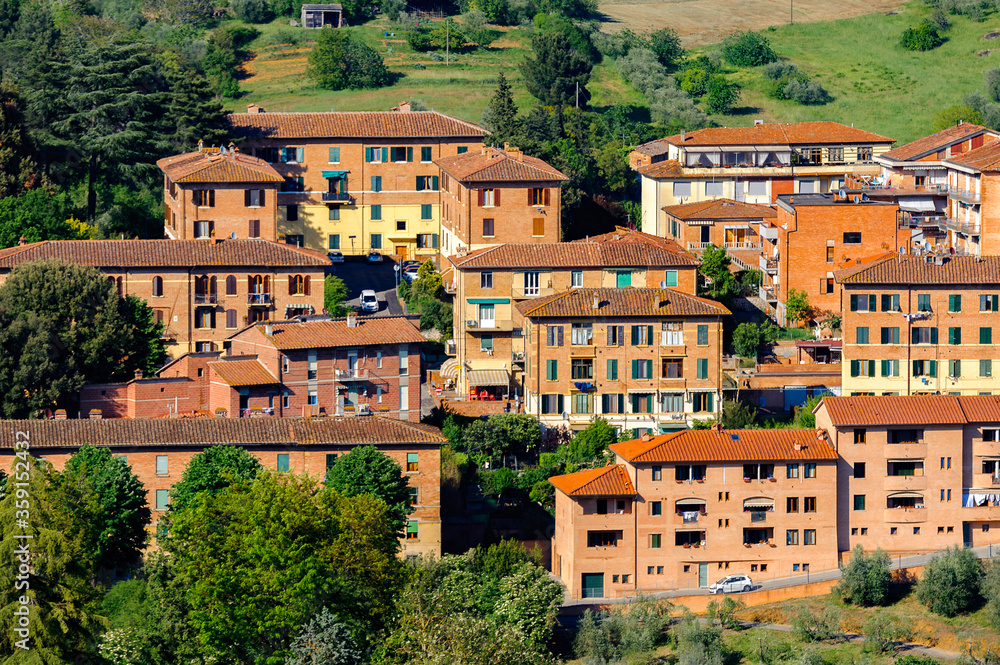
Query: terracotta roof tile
(196,167)
(916,270)
(619,248)
(720,209)
(161,253)
(779,134)
(895,410)
(243,372)
(986,158)
(212,431)
(981,408)
(611,480)
(626,302)
(931,144)
(356,124)
(496,165)
(653,148)
(750,445)
(335,332)
(669,168)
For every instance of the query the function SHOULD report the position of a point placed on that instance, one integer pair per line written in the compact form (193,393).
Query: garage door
(593,585)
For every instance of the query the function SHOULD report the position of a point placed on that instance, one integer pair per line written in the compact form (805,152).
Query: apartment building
(733,225)
(645,359)
(360,181)
(751,164)
(812,235)
(974,201)
(487,285)
(915,473)
(311,367)
(159,450)
(756,502)
(496,195)
(219,193)
(916,176)
(918,325)
(201,290)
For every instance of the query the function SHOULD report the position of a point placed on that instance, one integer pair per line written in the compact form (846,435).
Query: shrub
(419,40)
(666,44)
(881,632)
(668,104)
(725,612)
(698,644)
(991,591)
(924,37)
(865,579)
(950,583)
(613,635)
(811,627)
(779,70)
(694,81)
(340,61)
(252,11)
(805,92)
(748,49)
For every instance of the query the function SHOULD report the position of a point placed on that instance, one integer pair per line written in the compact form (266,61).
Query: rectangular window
(613,403)
(657,473)
(655,541)
(486,343)
(376,183)
(904,436)
(791,470)
(642,335)
(672,403)
(253,198)
(954,335)
(551,370)
(553,335)
(682,190)
(331,459)
(412,462)
(702,368)
(426,211)
(612,369)
(890,335)
(924,335)
(426,154)
(810,469)
(292,213)
(537,226)
(283,462)
(376,212)
(162,499)
(412,530)
(863,302)
(862,334)
(792,537)
(161,465)
(985,367)
(860,435)
(852,238)
(859,502)
(702,335)
(954,303)
(486,280)
(986,335)
(890,368)
(376,241)
(655,508)
(859,469)
(334,155)
(809,504)
(488,227)
(642,369)
(204,198)
(616,335)
(576,279)
(830,253)
(792,504)
(552,404)
(581,334)
(809,536)
(334,241)
(581,369)
(955,368)
(672,368)
(890,303)
(989,303)
(923,302)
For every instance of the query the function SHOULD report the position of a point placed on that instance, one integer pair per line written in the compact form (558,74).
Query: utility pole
(447,41)
(577,94)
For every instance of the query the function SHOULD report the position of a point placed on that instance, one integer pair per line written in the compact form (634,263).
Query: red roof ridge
(610,480)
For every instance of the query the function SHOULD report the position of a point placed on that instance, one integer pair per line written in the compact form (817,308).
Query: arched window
(231,285)
(157,286)
(119,285)
(296,285)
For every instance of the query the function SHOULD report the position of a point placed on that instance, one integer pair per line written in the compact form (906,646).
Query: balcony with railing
(356,374)
(338,197)
(521,291)
(966,226)
(908,220)
(768,265)
(517,356)
(968,196)
(742,245)
(878,186)
(258,298)
(205,299)
(489,325)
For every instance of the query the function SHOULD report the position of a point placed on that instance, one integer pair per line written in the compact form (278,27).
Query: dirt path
(707,21)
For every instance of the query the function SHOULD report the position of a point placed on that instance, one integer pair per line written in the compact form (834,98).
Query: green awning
(334,174)
(489,301)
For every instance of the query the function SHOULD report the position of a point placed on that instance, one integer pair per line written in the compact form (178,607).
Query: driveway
(380,277)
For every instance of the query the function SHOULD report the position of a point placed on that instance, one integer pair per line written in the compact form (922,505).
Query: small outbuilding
(318,16)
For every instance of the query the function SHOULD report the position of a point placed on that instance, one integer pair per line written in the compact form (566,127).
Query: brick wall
(229,214)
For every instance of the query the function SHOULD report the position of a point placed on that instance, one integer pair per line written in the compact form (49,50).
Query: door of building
(531,282)
(401,252)
(702,574)
(593,585)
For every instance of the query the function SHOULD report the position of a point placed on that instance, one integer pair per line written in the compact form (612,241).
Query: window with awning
(917,204)
(758,503)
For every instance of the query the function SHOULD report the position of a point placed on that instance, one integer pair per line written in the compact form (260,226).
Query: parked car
(410,273)
(731,584)
(336,257)
(374,257)
(369,301)
(411,262)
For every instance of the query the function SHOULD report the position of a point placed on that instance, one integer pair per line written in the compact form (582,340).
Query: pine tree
(194,115)
(18,171)
(500,116)
(554,73)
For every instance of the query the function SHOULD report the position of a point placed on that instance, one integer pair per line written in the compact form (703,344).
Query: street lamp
(352,243)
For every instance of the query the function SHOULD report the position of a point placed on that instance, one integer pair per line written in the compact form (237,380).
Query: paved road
(360,275)
(985,552)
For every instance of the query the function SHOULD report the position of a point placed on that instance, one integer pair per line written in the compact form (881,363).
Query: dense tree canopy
(340,61)
(367,470)
(556,74)
(211,471)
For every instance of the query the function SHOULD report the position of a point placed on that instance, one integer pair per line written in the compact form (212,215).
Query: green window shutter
(649,403)
(934,335)
(886,336)
(462,149)
(377,211)
(561,407)
(886,302)
(368,155)
(612,369)
(635,335)
(916,368)
(986,335)
(862,334)
(951,335)
(385,154)
(649,335)
(994,302)
(426,211)
(955,303)
(933,372)
(550,370)
(420,183)
(426,154)
(434,241)
(871,302)
(854,368)
(409,154)
(871,368)
(710,401)
(334,155)
(702,335)
(434,183)
(886,370)
(671,276)
(854,303)
(914,334)
(635,369)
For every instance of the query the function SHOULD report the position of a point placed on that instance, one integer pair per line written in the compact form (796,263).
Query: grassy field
(875,84)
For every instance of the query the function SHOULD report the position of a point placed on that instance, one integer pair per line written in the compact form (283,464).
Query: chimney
(797,446)
(22,241)
(253,108)
(352,320)
(201,146)
(757,121)
(597,303)
(60,414)
(405,107)
(269,330)
(96,414)
(683,136)
(645,437)
(138,375)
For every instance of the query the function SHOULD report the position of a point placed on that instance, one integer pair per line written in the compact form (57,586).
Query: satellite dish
(663,284)
(842,194)
(232,236)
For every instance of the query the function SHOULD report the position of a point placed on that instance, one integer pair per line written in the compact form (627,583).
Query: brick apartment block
(202,290)
(494,196)
(295,368)
(901,474)
(751,164)
(974,201)
(357,181)
(645,359)
(813,234)
(921,325)
(738,227)
(488,284)
(159,450)
(916,176)
(216,194)
(688,508)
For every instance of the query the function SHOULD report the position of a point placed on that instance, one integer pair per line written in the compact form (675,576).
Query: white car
(374,257)
(410,273)
(731,584)
(335,257)
(369,301)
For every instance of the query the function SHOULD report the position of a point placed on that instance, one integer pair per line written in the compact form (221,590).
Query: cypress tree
(501,115)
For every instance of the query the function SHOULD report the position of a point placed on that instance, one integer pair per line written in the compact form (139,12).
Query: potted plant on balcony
(703,512)
(700,480)
(679,481)
(772,479)
(686,546)
(746,479)
(746,545)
